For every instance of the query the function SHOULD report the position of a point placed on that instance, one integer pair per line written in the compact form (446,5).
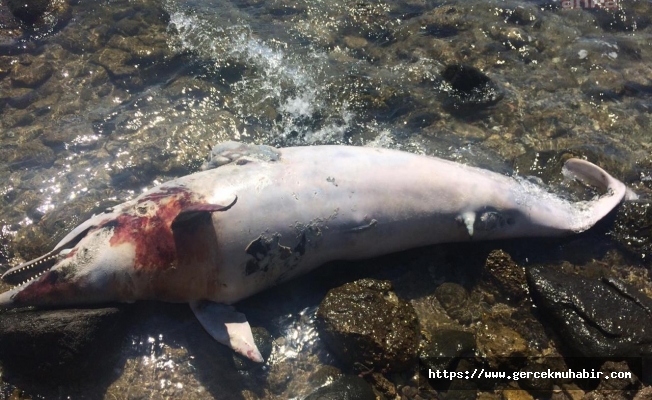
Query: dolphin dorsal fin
(195,210)
(239,153)
(228,327)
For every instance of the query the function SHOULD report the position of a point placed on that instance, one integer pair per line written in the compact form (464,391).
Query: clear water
(140,89)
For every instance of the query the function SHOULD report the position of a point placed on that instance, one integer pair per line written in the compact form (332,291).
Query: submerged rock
(33,74)
(469,88)
(444,346)
(344,388)
(594,318)
(41,15)
(365,323)
(61,345)
(455,300)
(28,11)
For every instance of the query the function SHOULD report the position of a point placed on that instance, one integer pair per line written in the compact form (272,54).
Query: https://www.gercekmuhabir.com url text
(481,373)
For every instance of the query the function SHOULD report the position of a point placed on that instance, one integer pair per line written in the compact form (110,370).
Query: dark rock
(469,88)
(62,344)
(28,11)
(444,346)
(615,383)
(42,16)
(633,227)
(32,75)
(364,322)
(506,276)
(345,388)
(455,300)
(594,318)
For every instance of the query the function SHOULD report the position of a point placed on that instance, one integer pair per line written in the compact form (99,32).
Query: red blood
(48,287)
(152,235)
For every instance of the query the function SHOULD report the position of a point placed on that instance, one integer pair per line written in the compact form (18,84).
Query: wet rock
(369,20)
(644,394)
(511,37)
(20,98)
(32,75)
(616,383)
(621,20)
(41,15)
(28,11)
(444,21)
(468,88)
(72,130)
(512,394)
(62,344)
(139,51)
(28,155)
(5,66)
(325,374)
(345,388)
(521,15)
(503,347)
(633,228)
(506,276)
(594,318)
(444,346)
(604,85)
(455,300)
(364,322)
(383,385)
(115,62)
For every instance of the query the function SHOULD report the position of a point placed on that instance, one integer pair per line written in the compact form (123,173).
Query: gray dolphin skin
(257,216)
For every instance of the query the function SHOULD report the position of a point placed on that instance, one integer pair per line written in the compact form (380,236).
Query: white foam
(294,85)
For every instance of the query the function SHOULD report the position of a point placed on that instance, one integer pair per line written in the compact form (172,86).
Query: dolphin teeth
(26,272)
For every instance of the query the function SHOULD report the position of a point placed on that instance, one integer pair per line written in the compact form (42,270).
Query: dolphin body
(257,216)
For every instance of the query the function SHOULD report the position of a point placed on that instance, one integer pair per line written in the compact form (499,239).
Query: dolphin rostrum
(257,216)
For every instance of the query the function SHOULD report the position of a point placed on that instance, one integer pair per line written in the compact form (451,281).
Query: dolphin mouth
(26,272)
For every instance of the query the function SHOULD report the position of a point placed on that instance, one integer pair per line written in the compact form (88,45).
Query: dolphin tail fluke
(591,174)
(228,327)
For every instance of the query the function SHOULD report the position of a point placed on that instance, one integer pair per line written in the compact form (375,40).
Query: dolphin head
(83,266)
(125,254)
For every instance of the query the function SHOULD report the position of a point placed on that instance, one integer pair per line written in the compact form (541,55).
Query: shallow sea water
(128,94)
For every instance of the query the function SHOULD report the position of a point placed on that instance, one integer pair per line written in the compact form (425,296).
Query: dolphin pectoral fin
(228,327)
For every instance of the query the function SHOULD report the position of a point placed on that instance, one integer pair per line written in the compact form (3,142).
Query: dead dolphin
(258,216)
